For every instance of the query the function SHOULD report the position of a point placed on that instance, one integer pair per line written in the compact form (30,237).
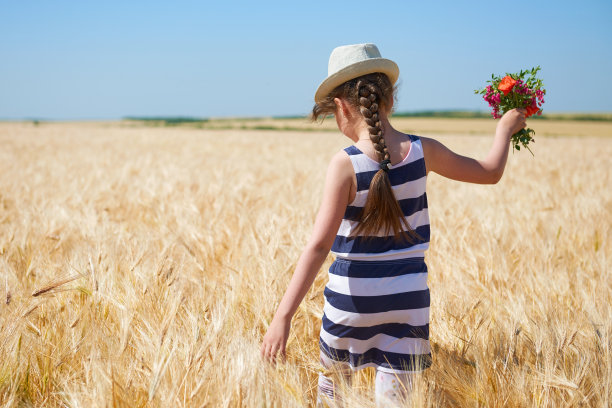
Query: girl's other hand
(513,120)
(275,340)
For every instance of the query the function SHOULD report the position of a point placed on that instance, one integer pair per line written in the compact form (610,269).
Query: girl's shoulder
(339,180)
(431,149)
(341,164)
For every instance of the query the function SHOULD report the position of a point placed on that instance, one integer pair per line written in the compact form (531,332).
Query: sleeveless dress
(376,311)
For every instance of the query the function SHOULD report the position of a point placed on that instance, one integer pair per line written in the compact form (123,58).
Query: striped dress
(376,311)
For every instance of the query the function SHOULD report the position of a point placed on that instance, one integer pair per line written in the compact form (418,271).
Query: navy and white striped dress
(376,311)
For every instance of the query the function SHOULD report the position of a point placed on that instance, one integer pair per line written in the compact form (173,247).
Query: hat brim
(355,70)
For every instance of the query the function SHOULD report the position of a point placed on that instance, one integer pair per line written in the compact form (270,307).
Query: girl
(374,218)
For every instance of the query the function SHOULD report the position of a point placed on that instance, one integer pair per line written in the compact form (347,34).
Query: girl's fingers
(274,350)
(268,352)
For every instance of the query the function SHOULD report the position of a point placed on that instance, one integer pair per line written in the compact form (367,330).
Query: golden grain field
(141,267)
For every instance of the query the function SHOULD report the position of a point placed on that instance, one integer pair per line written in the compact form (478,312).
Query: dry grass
(142,266)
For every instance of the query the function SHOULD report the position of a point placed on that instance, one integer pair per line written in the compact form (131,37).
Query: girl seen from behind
(374,219)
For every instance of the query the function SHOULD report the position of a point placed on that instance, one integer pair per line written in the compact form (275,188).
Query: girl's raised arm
(335,199)
(441,160)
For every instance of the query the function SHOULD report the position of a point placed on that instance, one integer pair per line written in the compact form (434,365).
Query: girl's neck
(361,131)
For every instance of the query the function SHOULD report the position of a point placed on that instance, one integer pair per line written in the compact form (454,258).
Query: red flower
(531,110)
(506,84)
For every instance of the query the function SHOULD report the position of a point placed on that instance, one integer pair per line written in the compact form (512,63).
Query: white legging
(390,389)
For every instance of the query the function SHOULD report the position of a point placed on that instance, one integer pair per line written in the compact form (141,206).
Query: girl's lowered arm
(329,217)
(441,160)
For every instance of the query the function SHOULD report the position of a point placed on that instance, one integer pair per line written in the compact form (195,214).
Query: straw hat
(350,61)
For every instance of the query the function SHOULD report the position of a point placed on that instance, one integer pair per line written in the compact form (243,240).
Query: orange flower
(506,84)
(531,110)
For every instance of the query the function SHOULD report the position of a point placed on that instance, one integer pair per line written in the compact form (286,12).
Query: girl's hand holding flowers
(514,120)
(513,91)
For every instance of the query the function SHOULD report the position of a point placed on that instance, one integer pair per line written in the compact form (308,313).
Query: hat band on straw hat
(351,61)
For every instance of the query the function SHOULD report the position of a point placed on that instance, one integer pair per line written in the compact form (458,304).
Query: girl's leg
(328,394)
(392,389)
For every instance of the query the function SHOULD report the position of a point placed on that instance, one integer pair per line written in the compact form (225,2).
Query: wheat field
(142,266)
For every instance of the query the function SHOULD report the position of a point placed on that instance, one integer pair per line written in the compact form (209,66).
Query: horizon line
(411,113)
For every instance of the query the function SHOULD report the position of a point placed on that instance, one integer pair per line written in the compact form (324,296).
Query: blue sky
(104,60)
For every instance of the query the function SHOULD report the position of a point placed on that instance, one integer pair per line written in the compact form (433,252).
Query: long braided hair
(370,93)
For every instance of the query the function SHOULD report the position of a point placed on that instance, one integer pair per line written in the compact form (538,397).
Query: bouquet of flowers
(514,91)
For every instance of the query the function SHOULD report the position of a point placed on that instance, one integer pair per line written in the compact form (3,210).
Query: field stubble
(142,266)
